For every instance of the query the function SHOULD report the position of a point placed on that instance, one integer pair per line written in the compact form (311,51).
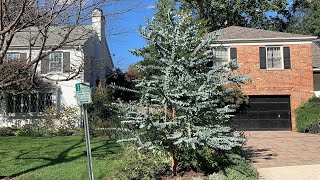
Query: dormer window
(55,62)
(13,55)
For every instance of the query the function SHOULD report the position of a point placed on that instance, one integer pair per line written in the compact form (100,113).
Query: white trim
(259,43)
(317,93)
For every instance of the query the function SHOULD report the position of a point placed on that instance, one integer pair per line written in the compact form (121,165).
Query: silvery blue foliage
(183,79)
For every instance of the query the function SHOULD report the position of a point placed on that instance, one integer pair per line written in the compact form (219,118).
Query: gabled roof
(237,33)
(78,36)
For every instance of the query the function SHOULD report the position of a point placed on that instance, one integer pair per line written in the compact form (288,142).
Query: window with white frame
(55,62)
(13,55)
(28,102)
(274,58)
(221,53)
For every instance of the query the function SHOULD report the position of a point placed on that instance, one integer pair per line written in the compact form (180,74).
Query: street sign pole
(83,94)
(86,128)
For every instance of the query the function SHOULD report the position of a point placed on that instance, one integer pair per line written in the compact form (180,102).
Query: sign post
(83,94)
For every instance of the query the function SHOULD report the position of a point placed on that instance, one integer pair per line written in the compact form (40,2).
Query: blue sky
(129,23)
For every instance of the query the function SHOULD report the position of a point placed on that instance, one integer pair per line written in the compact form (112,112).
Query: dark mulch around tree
(185,176)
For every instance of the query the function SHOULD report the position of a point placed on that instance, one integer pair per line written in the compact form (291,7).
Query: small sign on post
(83,94)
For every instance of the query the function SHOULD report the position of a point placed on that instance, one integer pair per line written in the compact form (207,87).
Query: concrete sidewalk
(304,172)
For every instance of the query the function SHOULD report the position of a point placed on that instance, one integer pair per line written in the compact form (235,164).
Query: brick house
(280,66)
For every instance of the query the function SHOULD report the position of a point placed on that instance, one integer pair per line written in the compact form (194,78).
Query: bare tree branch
(35,23)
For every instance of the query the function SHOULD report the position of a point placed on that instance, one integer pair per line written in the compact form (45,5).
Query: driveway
(282,148)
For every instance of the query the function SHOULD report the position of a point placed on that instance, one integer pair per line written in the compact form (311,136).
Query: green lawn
(56,157)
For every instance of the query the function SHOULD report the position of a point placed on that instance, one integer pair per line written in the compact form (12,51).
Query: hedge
(308,114)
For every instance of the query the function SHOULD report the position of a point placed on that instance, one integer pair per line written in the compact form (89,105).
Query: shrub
(202,159)
(308,114)
(210,161)
(32,130)
(35,130)
(103,115)
(7,131)
(68,117)
(137,164)
(64,131)
(236,167)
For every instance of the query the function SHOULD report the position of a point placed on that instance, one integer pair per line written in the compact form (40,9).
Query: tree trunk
(174,162)
(165,112)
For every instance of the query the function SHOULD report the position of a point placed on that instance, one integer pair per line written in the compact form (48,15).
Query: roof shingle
(78,36)
(243,33)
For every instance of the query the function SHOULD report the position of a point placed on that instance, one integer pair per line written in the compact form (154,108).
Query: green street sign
(83,94)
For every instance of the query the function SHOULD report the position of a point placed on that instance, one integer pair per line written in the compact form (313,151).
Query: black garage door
(264,113)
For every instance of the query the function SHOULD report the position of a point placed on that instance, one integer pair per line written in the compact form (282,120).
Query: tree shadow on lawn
(108,147)
(253,154)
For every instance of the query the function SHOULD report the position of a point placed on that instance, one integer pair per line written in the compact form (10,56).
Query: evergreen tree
(180,104)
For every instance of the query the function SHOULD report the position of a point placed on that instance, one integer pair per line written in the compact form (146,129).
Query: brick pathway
(281,148)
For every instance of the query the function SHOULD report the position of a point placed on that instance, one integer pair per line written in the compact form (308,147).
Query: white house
(89,50)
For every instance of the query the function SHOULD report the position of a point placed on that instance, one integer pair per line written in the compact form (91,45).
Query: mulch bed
(185,176)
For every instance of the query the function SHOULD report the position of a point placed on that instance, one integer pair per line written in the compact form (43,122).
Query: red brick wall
(296,82)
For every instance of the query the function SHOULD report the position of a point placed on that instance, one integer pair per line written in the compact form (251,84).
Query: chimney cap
(97,12)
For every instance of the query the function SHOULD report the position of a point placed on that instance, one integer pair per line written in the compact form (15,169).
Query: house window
(316,81)
(29,103)
(13,55)
(274,58)
(55,62)
(221,53)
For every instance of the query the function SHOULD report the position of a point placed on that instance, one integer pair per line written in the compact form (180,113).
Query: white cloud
(151,6)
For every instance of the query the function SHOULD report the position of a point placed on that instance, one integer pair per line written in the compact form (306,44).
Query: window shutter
(233,53)
(66,62)
(23,56)
(263,58)
(45,65)
(286,56)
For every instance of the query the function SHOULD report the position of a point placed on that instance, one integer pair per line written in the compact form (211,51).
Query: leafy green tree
(305,17)
(180,104)
(124,80)
(248,13)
